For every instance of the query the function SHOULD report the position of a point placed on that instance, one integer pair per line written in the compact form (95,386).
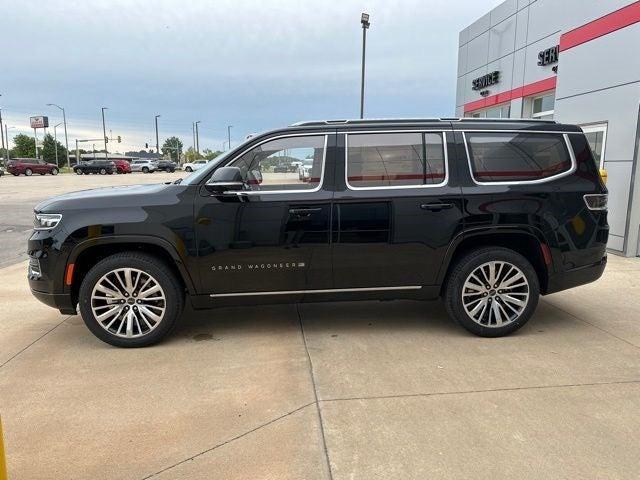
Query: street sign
(39,122)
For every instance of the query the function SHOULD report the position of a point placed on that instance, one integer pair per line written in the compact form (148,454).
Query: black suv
(166,166)
(103,167)
(486,214)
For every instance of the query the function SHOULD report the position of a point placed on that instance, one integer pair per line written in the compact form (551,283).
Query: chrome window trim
(572,157)
(395,187)
(271,192)
(324,290)
(489,130)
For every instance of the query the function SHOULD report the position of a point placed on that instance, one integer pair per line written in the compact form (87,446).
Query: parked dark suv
(29,166)
(102,167)
(486,214)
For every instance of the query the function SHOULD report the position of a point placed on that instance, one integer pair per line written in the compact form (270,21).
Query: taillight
(596,201)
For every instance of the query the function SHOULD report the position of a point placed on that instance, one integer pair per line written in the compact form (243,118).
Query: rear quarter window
(517,157)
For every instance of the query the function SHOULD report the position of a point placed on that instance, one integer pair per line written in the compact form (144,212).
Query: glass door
(597,137)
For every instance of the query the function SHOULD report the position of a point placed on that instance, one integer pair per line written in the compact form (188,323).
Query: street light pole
(104,132)
(6,134)
(2,135)
(197,138)
(364,20)
(229,135)
(157,141)
(66,139)
(55,141)
(193,134)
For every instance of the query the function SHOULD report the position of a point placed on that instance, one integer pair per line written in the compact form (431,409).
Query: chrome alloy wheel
(495,294)
(128,302)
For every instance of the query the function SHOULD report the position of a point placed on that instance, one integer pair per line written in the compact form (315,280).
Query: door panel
(255,241)
(387,237)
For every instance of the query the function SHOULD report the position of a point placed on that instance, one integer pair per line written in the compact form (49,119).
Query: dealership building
(573,61)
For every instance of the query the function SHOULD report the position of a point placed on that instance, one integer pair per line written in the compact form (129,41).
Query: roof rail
(368,121)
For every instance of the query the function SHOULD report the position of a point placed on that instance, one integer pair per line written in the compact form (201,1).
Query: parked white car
(193,166)
(144,165)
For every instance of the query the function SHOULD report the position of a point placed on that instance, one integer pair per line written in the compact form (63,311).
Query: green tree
(24,146)
(190,155)
(172,146)
(210,154)
(48,151)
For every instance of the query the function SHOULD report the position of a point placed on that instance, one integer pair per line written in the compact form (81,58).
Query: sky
(255,65)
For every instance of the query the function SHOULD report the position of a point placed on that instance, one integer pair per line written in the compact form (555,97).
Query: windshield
(197,176)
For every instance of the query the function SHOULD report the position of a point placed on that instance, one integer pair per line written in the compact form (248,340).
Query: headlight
(46,221)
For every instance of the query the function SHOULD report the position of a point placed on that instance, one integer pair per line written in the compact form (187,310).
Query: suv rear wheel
(54,171)
(145,170)
(103,171)
(492,291)
(131,299)
(28,172)
(188,169)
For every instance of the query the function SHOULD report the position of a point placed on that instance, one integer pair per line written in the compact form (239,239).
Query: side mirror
(225,179)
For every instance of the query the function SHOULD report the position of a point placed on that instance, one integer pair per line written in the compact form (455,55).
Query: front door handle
(303,212)
(436,207)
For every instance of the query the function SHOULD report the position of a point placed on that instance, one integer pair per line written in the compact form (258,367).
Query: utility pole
(6,134)
(197,138)
(2,135)
(364,20)
(193,134)
(157,142)
(104,132)
(55,141)
(229,135)
(66,139)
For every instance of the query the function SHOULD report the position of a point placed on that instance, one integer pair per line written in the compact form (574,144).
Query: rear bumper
(577,276)
(61,301)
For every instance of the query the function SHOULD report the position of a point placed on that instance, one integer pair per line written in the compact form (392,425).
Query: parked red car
(29,166)
(122,166)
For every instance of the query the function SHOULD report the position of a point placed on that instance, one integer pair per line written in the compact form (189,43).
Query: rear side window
(395,160)
(516,157)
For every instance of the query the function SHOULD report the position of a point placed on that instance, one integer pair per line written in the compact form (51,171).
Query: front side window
(509,157)
(395,160)
(290,163)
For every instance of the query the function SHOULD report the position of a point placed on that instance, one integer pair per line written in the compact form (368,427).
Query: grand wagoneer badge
(259,266)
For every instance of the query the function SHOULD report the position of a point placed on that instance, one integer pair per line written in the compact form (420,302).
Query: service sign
(39,122)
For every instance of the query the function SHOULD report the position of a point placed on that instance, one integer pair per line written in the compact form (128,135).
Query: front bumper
(61,301)
(577,276)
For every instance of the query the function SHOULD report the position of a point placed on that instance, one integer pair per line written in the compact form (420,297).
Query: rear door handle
(436,207)
(304,212)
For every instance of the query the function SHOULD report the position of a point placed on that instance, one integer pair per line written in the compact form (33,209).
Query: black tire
(78,171)
(465,266)
(28,172)
(173,291)
(54,171)
(145,170)
(103,171)
(188,169)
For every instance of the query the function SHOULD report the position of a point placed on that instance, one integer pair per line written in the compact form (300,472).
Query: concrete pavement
(344,391)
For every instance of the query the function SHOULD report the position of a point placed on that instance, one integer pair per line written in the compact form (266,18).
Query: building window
(597,138)
(542,107)
(502,111)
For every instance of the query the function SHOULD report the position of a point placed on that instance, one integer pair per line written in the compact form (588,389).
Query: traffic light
(106,139)
(119,139)
(146,145)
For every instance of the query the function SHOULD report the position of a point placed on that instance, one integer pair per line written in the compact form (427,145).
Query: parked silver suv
(144,165)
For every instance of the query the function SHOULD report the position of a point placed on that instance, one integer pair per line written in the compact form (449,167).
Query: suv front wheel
(131,299)
(492,291)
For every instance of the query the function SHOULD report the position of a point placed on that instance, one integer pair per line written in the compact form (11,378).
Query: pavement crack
(591,324)
(35,341)
(226,442)
(467,392)
(315,393)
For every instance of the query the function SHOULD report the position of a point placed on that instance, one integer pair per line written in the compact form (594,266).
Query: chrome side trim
(488,130)
(325,290)
(395,187)
(524,182)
